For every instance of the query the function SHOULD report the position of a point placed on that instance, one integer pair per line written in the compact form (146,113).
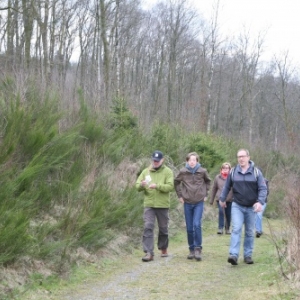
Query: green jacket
(164,179)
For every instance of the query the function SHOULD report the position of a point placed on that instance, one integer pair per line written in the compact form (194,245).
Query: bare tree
(214,44)
(287,94)
(248,55)
(168,64)
(105,45)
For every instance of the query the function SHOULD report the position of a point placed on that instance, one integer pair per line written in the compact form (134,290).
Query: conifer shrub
(90,127)
(120,116)
(213,151)
(108,210)
(14,237)
(36,169)
(166,138)
(122,143)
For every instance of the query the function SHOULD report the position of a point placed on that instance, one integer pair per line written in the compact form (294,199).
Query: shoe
(147,257)
(164,253)
(232,260)
(227,231)
(258,234)
(191,254)
(248,260)
(198,253)
(220,231)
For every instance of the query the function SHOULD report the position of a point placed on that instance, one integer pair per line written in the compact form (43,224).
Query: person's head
(243,157)
(192,159)
(225,168)
(157,158)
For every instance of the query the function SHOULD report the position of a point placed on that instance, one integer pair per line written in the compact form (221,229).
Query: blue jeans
(258,219)
(242,215)
(193,219)
(225,220)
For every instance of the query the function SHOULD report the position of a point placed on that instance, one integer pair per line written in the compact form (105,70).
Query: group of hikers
(241,195)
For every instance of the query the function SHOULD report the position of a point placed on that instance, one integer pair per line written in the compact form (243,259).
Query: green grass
(176,277)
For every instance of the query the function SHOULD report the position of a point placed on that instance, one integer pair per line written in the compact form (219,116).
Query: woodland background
(168,63)
(75,133)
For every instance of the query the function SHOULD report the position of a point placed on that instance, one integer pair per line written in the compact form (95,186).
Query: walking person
(249,193)
(192,185)
(224,219)
(259,215)
(156,182)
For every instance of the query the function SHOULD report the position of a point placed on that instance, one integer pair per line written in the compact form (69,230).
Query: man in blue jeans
(192,184)
(249,194)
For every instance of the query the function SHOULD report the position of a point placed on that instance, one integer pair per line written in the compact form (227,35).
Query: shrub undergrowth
(64,188)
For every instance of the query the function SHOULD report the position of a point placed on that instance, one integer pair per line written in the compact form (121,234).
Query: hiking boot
(198,253)
(227,231)
(191,254)
(233,260)
(164,253)
(147,257)
(258,234)
(220,231)
(248,260)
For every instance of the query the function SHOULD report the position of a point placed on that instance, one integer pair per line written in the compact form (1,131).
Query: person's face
(192,161)
(156,164)
(243,158)
(225,169)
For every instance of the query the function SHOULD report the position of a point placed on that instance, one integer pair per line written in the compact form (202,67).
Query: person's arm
(213,191)
(177,184)
(262,189)
(226,189)
(207,182)
(140,182)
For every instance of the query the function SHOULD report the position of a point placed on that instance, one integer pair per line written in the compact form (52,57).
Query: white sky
(279,19)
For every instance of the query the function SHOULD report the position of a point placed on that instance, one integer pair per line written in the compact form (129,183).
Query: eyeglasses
(242,156)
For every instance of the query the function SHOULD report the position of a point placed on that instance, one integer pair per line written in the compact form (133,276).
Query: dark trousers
(225,220)
(162,216)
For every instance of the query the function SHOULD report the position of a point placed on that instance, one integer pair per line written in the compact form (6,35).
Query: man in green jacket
(156,181)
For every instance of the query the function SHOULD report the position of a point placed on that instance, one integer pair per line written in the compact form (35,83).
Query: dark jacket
(216,190)
(193,188)
(247,188)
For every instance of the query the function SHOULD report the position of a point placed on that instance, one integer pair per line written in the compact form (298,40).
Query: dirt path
(176,277)
(144,280)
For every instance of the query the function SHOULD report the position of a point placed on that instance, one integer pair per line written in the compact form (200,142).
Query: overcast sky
(280,19)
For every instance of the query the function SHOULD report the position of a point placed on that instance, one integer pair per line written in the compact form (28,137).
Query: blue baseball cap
(157,155)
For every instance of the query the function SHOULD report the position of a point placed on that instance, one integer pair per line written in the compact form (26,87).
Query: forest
(88,89)
(168,63)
